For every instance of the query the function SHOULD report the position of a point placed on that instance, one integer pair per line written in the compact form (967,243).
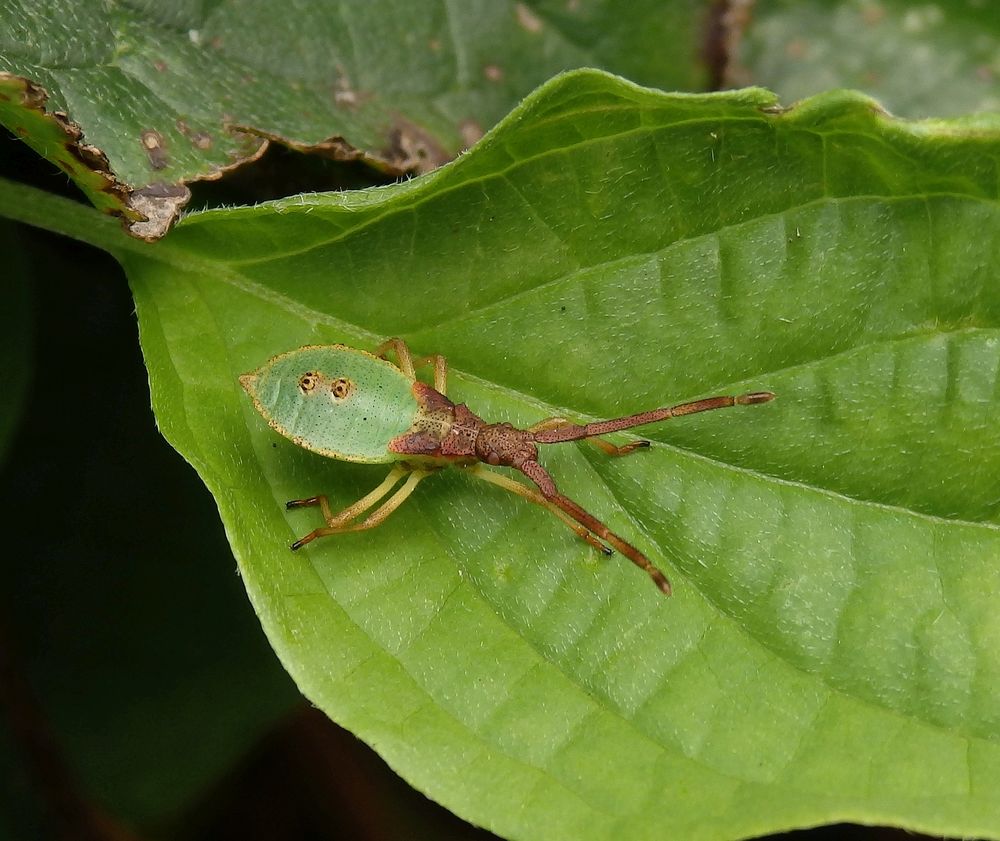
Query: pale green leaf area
(409,83)
(832,651)
(920,59)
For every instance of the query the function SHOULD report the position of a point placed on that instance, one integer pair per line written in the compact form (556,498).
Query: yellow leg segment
(408,365)
(359,507)
(376,517)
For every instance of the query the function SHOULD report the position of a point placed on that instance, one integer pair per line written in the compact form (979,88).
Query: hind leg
(606,446)
(505,482)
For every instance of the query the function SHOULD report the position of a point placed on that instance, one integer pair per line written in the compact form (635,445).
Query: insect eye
(307,382)
(341,388)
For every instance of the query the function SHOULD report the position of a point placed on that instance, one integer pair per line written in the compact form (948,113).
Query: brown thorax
(447,430)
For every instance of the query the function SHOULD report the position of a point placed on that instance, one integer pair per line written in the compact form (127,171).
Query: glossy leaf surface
(832,648)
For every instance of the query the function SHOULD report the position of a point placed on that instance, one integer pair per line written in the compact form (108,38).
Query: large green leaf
(176,92)
(919,59)
(833,648)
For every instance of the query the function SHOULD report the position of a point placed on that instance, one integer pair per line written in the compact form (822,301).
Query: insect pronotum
(352,405)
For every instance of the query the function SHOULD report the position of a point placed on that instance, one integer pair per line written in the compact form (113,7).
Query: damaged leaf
(55,137)
(144,98)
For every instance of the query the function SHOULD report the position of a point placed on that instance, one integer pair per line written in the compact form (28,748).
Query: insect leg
(531,494)
(538,474)
(549,423)
(359,507)
(615,450)
(373,519)
(440,370)
(403,355)
(574,431)
(408,365)
(607,446)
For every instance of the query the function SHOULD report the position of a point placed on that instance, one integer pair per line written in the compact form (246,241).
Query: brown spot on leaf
(344,94)
(346,99)
(493,72)
(435,45)
(160,66)
(200,139)
(471,132)
(153,143)
(527,19)
(251,146)
(159,204)
(873,13)
(413,149)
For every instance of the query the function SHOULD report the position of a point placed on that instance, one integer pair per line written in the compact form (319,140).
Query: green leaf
(184,91)
(833,649)
(919,59)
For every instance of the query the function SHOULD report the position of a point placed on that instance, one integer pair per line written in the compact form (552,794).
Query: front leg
(408,365)
(376,518)
(342,518)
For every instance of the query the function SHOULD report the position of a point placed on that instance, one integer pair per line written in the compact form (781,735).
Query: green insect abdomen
(334,400)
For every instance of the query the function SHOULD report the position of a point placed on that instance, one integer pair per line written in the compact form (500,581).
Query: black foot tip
(606,551)
(296,545)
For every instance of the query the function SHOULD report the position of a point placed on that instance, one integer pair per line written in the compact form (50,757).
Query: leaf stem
(60,215)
